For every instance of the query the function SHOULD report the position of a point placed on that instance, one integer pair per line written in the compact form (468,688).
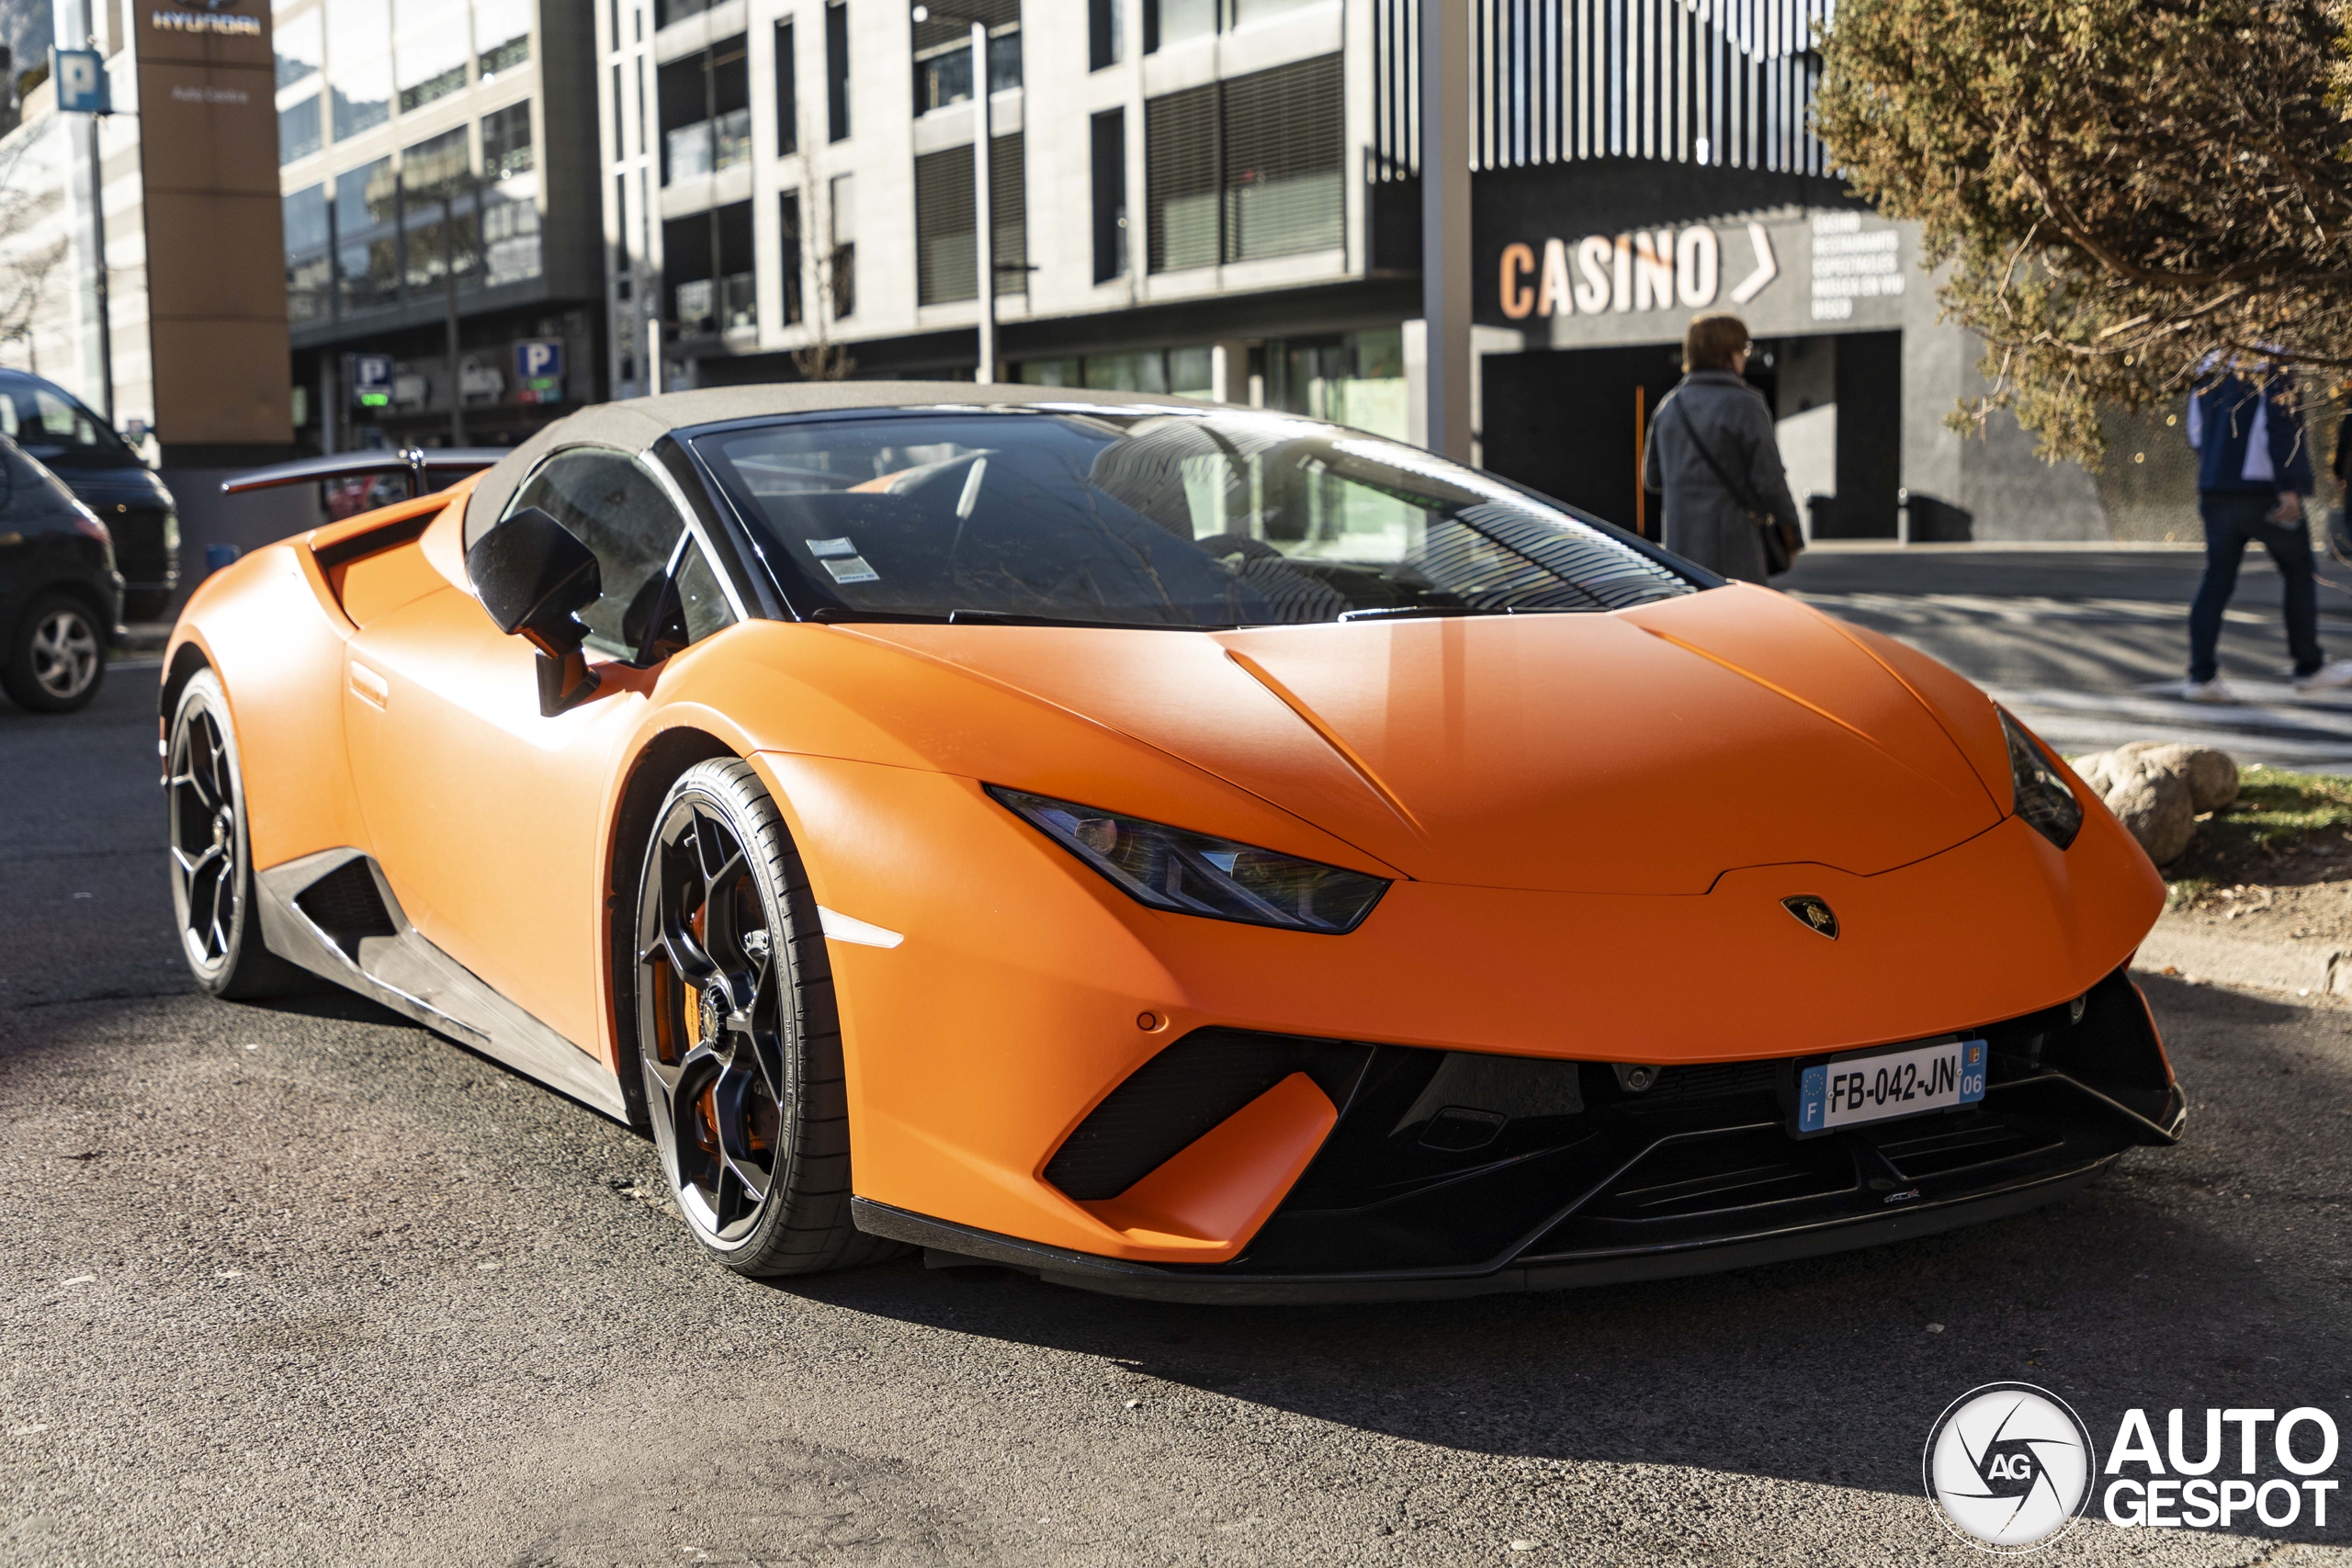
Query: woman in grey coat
(1705,520)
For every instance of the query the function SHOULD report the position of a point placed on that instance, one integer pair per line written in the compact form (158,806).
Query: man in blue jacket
(2253,468)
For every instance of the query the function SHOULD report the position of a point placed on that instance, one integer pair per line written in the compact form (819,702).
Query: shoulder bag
(1781,540)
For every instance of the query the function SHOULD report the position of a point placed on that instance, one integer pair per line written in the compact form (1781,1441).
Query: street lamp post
(983,216)
(1445,225)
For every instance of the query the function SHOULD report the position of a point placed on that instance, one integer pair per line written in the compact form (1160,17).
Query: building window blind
(1179,178)
(1284,157)
(946,245)
(1248,168)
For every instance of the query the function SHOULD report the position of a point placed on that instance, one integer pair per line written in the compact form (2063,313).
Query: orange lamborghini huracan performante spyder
(1178,851)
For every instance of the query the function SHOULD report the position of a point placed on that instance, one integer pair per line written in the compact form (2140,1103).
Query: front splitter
(1109,1276)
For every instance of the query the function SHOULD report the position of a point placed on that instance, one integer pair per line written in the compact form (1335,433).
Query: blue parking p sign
(538,370)
(81,78)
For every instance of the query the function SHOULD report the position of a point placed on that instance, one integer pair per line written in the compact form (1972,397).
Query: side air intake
(1181,1093)
(345,905)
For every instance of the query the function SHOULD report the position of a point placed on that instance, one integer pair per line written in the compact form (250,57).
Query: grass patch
(2275,815)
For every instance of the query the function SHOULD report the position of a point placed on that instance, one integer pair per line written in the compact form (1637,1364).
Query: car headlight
(2043,798)
(1193,874)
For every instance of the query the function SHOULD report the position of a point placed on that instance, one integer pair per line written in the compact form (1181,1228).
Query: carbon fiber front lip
(1561,1272)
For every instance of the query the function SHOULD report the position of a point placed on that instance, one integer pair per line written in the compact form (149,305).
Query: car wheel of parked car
(212,873)
(738,1036)
(58,659)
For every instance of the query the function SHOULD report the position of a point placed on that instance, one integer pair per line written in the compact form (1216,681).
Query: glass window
(438,166)
(359,67)
(840,265)
(437,188)
(1245,12)
(510,233)
(301,47)
(613,507)
(506,142)
(431,53)
(367,246)
(362,95)
(300,130)
(705,607)
(1180,21)
(1151,519)
(503,35)
(61,432)
(309,266)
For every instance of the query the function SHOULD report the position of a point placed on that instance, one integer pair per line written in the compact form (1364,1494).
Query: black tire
(212,873)
(739,1041)
(57,655)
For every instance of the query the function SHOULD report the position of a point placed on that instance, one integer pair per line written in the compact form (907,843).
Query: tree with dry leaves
(2124,189)
(26,206)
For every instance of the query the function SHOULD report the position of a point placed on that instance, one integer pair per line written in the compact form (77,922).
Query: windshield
(1155,518)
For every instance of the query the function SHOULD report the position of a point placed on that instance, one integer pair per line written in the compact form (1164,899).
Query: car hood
(1648,750)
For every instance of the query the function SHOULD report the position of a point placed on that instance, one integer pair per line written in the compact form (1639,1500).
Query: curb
(2310,966)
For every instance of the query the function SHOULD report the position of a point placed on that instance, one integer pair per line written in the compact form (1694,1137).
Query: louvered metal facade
(1727,84)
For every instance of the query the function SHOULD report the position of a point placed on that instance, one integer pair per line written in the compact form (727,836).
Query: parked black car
(61,597)
(100,467)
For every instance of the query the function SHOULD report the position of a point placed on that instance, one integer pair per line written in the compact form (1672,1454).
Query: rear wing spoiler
(428,468)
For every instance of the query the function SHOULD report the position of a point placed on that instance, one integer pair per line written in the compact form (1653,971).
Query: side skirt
(334,914)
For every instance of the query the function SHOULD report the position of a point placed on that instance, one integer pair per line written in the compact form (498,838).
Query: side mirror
(534,577)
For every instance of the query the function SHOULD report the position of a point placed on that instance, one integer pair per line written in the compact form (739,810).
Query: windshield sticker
(820,548)
(852,569)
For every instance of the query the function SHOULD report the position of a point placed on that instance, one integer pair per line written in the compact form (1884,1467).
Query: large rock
(2157,790)
(2212,776)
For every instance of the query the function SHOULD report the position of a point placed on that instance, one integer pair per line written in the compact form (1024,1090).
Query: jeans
(2232,520)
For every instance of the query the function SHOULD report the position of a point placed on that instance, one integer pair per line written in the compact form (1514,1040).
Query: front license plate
(1884,1083)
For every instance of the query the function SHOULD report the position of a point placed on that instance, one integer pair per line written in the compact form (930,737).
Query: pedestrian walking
(2253,471)
(1714,457)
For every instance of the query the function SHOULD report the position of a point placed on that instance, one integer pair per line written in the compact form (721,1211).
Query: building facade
(1177,190)
(437,172)
(1221,197)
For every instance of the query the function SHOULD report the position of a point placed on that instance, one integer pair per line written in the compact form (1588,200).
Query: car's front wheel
(57,658)
(212,871)
(737,1033)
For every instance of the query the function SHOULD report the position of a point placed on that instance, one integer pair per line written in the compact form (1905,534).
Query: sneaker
(2212,691)
(2327,678)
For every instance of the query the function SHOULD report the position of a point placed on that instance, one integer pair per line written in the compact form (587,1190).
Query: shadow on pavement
(1829,1370)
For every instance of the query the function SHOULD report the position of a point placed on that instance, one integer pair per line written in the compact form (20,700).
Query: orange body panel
(1589,822)
(1010,1010)
(1209,1200)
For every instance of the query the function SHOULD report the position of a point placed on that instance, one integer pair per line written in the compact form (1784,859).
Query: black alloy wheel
(212,877)
(737,1035)
(58,658)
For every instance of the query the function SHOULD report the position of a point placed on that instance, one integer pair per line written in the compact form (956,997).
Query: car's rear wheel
(212,873)
(737,1033)
(57,660)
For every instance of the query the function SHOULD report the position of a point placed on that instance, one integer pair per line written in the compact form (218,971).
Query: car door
(486,815)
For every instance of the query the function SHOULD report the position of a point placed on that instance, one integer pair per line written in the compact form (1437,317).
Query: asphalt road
(2090,645)
(304,1284)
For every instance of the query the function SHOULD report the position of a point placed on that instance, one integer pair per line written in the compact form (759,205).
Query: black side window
(619,511)
(700,599)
